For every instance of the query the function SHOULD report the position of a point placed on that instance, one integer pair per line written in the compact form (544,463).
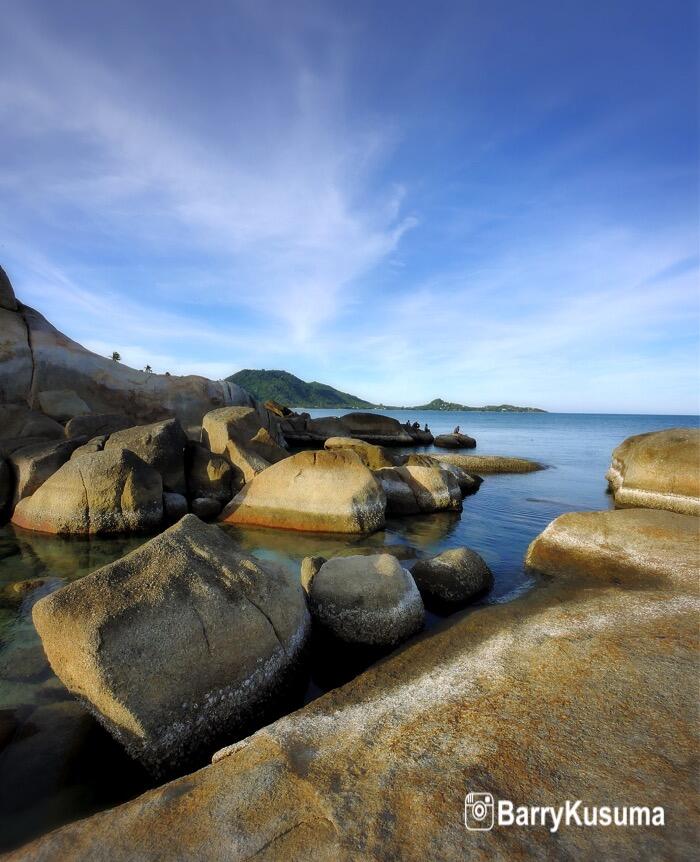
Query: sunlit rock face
(660,470)
(330,492)
(175,643)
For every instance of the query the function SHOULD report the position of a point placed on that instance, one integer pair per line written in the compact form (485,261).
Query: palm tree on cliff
(117,357)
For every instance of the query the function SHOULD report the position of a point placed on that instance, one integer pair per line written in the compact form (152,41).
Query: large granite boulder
(621,546)
(19,421)
(97,425)
(376,428)
(246,464)
(34,464)
(660,470)
(454,576)
(177,643)
(7,294)
(365,600)
(104,493)
(62,404)
(483,464)
(243,425)
(400,499)
(312,491)
(35,358)
(455,441)
(374,457)
(208,474)
(467,482)
(435,490)
(581,689)
(161,445)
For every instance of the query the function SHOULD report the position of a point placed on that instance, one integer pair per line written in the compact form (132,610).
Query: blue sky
(487,202)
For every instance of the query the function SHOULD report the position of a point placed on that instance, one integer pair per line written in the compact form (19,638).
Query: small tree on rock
(117,357)
(148,369)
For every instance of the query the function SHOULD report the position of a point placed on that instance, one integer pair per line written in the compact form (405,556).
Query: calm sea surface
(57,764)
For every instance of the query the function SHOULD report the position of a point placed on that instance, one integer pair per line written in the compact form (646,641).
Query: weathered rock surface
(456,575)
(62,404)
(96,444)
(467,482)
(208,474)
(17,420)
(32,465)
(105,493)
(489,463)
(374,457)
(400,499)
(625,545)
(7,294)
(310,567)
(434,489)
(241,424)
(579,690)
(312,491)
(206,508)
(367,600)
(161,445)
(175,643)
(174,507)
(376,428)
(455,441)
(97,424)
(660,470)
(246,463)
(35,357)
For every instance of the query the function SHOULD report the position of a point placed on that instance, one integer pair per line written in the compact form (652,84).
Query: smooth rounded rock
(206,508)
(174,507)
(454,441)
(367,600)
(457,575)
(374,457)
(161,445)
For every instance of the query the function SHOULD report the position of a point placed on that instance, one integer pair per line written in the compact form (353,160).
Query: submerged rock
(176,643)
(455,441)
(489,463)
(660,470)
(456,575)
(161,445)
(619,546)
(100,494)
(312,491)
(367,600)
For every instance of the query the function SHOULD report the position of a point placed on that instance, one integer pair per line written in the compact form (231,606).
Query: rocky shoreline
(184,643)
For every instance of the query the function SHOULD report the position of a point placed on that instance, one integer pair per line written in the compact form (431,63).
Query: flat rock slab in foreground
(582,689)
(176,642)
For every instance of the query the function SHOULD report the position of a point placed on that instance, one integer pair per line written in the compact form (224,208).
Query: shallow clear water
(57,764)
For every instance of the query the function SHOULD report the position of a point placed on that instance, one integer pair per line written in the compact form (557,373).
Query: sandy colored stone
(263,444)
(175,643)
(33,465)
(208,474)
(366,600)
(400,499)
(660,470)
(620,546)
(97,424)
(161,445)
(467,482)
(104,493)
(489,463)
(97,444)
(240,424)
(62,404)
(374,457)
(246,463)
(312,491)
(310,567)
(455,575)
(579,690)
(435,489)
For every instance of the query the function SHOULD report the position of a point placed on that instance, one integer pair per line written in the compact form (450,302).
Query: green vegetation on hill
(289,390)
(292,392)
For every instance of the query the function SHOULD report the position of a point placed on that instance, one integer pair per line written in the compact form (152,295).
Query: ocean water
(57,764)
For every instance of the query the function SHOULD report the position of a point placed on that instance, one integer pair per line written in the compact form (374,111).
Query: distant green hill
(292,392)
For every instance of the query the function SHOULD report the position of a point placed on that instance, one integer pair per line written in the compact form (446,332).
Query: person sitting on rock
(416,426)
(426,429)
(456,431)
